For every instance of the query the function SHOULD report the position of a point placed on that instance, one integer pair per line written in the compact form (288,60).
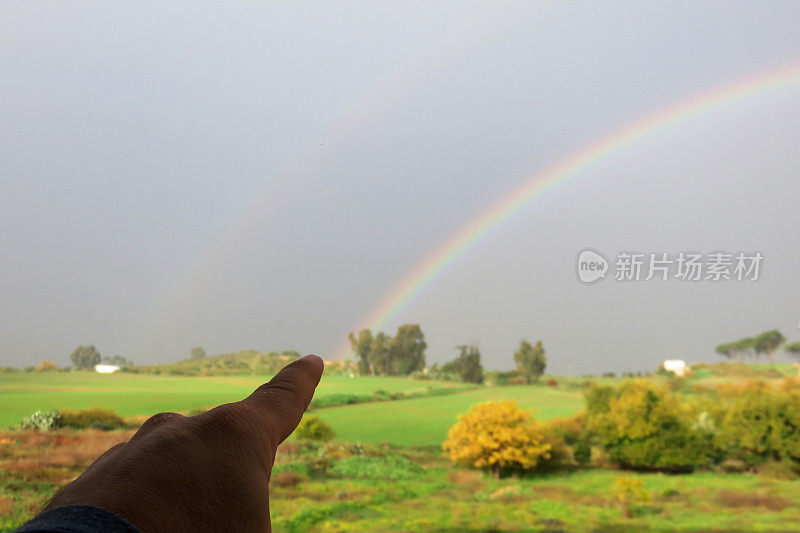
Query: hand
(208,472)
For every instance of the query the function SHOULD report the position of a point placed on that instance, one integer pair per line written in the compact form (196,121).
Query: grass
(34,464)
(133,395)
(439,498)
(425,421)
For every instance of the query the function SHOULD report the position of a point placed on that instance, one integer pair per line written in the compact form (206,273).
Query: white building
(677,366)
(106,369)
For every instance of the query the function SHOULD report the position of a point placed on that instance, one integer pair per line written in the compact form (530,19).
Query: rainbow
(475,230)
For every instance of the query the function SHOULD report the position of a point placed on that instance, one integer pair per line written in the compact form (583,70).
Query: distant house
(676,366)
(106,369)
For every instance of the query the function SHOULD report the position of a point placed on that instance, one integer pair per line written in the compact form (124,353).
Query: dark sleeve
(77,519)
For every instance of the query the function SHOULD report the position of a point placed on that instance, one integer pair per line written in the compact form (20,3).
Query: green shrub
(761,423)
(643,426)
(41,420)
(333,400)
(571,429)
(313,427)
(382,395)
(582,452)
(95,418)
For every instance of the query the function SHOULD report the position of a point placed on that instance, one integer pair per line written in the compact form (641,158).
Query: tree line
(379,354)
(86,357)
(753,348)
(382,355)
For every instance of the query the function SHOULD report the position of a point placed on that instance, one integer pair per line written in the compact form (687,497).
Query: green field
(425,421)
(411,422)
(144,395)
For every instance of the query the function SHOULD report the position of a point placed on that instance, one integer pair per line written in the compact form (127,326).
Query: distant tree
(407,350)
(362,348)
(379,354)
(744,348)
(768,343)
(118,360)
(793,349)
(468,364)
(725,350)
(737,350)
(85,357)
(197,353)
(530,360)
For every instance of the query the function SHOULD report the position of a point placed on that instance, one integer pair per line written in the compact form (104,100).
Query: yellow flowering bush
(499,435)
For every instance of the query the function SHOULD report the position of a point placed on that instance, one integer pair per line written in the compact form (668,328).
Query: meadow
(139,395)
(443,499)
(385,470)
(425,421)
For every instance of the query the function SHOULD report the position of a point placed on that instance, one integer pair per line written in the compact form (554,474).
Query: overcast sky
(257,175)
